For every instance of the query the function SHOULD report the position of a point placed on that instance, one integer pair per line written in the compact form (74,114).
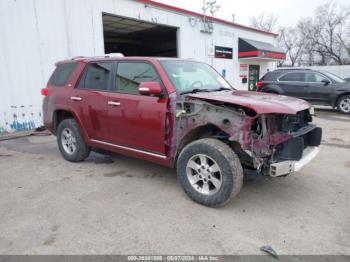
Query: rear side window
(130,74)
(96,76)
(61,74)
(271,76)
(293,77)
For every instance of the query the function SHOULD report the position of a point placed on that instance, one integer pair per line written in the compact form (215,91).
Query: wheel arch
(204,131)
(336,100)
(64,113)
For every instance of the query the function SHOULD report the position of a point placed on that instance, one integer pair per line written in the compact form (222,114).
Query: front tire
(209,172)
(71,142)
(343,104)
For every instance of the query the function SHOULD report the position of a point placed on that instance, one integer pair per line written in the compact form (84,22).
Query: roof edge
(185,11)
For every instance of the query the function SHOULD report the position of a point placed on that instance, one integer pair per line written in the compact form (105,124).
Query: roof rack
(100,56)
(78,57)
(115,55)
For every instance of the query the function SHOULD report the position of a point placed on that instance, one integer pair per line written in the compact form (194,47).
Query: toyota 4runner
(178,113)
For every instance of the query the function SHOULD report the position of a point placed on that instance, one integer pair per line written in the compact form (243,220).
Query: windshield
(334,77)
(191,77)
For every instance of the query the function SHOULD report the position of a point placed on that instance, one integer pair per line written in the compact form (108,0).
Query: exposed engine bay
(262,141)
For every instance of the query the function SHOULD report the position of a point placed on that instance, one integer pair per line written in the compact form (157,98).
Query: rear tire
(343,104)
(71,142)
(209,172)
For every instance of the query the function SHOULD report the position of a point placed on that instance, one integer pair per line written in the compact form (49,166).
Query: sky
(288,12)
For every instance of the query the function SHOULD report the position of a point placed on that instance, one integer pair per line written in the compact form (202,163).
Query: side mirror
(325,81)
(150,88)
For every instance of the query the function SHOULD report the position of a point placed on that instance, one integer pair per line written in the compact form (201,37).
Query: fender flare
(62,107)
(336,99)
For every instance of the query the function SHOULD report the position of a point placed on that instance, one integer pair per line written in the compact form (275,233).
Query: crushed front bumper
(288,167)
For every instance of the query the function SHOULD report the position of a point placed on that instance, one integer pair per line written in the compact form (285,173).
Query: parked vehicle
(317,87)
(177,113)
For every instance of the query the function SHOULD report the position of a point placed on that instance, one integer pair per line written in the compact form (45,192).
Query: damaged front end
(270,144)
(282,144)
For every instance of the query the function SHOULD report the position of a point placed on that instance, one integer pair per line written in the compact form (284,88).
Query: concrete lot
(120,205)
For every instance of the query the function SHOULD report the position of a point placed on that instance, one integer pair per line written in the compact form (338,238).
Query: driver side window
(130,74)
(314,78)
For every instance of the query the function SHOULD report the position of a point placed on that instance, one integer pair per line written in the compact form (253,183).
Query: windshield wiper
(195,90)
(220,89)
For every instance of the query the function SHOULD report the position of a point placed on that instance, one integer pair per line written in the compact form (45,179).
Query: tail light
(44,91)
(259,85)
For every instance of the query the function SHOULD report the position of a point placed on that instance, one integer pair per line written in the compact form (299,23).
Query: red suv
(177,113)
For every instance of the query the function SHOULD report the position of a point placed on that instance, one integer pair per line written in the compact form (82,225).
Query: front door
(317,91)
(136,121)
(254,72)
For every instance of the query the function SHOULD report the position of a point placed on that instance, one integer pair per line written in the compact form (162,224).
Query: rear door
(316,90)
(135,120)
(89,99)
(293,84)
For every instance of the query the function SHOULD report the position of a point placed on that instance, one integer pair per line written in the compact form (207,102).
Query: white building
(37,33)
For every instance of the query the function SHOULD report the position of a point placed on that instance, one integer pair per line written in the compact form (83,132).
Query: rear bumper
(288,167)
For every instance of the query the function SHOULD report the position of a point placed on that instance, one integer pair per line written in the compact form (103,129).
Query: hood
(261,103)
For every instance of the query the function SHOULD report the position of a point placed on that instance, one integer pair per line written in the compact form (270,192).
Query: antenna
(213,8)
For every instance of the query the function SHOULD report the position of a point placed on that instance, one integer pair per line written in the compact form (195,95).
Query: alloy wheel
(68,141)
(204,174)
(345,105)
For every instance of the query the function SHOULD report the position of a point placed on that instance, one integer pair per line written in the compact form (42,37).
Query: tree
(266,22)
(293,45)
(326,34)
(322,39)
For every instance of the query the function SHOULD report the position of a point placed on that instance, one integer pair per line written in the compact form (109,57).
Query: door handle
(76,98)
(112,103)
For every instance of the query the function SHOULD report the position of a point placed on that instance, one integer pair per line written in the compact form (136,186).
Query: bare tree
(266,22)
(326,36)
(320,40)
(293,45)
(309,53)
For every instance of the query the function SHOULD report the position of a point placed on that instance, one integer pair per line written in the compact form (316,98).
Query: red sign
(243,70)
